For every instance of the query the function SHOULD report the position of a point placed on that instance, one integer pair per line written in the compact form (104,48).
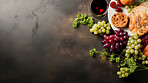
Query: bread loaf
(139,23)
(143,9)
(144,3)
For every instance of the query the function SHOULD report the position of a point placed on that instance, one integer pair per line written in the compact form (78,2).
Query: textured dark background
(39,45)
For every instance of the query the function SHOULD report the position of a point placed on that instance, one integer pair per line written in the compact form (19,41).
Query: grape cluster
(101,28)
(116,42)
(143,58)
(129,8)
(124,72)
(133,46)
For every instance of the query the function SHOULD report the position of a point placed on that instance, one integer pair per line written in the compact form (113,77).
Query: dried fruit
(120,4)
(119,9)
(113,4)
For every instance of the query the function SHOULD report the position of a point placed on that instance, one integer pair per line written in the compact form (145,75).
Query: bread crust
(131,13)
(139,23)
(119,20)
(144,3)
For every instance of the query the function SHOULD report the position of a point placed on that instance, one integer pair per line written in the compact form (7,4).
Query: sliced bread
(144,3)
(139,23)
(143,9)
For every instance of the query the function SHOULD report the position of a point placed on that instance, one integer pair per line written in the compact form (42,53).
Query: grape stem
(141,69)
(139,65)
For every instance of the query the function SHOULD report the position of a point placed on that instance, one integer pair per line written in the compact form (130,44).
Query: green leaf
(117,59)
(85,15)
(78,16)
(90,25)
(103,54)
(90,18)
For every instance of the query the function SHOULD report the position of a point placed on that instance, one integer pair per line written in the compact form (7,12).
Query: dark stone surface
(39,45)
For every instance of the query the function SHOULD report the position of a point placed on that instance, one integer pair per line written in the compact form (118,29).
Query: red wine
(99,7)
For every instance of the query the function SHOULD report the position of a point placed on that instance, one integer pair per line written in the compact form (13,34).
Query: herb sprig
(83,19)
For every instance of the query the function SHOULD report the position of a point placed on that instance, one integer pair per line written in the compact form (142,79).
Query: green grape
(126,74)
(122,72)
(146,62)
(121,69)
(108,28)
(105,25)
(136,52)
(123,75)
(139,58)
(130,38)
(127,51)
(140,53)
(132,41)
(100,31)
(127,54)
(139,45)
(136,34)
(126,69)
(107,31)
(132,45)
(103,22)
(98,25)
(129,44)
(136,47)
(95,28)
(108,24)
(131,6)
(120,76)
(135,42)
(135,56)
(102,27)
(132,51)
(143,62)
(99,22)
(103,30)
(135,37)
(139,40)
(127,7)
(96,32)
(129,10)
(143,56)
(118,73)
(91,30)
(135,6)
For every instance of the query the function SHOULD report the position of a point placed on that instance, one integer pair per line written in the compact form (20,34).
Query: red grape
(105,36)
(115,39)
(111,36)
(121,39)
(106,45)
(105,41)
(121,44)
(111,41)
(112,47)
(121,34)
(117,44)
(125,37)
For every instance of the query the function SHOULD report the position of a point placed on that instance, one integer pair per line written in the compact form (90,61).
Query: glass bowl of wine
(99,7)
